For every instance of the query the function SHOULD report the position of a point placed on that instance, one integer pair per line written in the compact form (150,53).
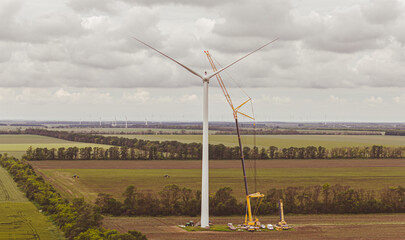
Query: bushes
(95,234)
(72,218)
(223,203)
(173,200)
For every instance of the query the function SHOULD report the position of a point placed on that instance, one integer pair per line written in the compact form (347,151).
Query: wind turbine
(205,78)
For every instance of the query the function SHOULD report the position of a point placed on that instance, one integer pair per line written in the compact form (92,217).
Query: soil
(215,164)
(362,226)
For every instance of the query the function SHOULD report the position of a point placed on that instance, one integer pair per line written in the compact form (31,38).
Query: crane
(251,220)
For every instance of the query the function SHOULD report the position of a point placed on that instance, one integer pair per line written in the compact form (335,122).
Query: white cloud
(334,99)
(140,96)
(399,99)
(45,96)
(274,99)
(188,98)
(373,100)
(7,95)
(94,22)
(382,11)
(203,26)
(78,52)
(88,43)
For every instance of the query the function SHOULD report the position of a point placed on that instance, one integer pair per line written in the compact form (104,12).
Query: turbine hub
(205,78)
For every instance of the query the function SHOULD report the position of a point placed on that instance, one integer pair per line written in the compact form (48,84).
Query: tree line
(395,132)
(77,219)
(216,152)
(251,131)
(175,200)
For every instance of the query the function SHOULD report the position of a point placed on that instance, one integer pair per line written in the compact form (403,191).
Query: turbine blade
(187,68)
(222,69)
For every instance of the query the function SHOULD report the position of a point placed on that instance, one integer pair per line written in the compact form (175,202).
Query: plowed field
(362,226)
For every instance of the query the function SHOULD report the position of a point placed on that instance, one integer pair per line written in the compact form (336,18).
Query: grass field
(114,176)
(328,141)
(19,218)
(361,226)
(16,145)
(126,130)
(8,189)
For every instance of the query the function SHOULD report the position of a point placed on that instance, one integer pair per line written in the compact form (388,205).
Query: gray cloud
(206,3)
(382,11)
(88,43)
(258,18)
(346,32)
(46,27)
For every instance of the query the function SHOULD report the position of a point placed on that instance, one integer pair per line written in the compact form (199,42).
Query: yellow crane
(251,220)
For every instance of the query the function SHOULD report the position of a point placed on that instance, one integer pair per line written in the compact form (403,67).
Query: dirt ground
(216,164)
(363,226)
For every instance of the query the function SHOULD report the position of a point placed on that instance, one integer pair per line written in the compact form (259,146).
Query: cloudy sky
(75,59)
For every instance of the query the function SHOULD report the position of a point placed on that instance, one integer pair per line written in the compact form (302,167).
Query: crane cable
(226,72)
(254,123)
(255,150)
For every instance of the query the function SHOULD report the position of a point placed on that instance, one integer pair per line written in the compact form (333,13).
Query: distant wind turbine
(205,78)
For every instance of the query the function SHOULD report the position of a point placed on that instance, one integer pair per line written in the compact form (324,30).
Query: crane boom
(221,83)
(248,216)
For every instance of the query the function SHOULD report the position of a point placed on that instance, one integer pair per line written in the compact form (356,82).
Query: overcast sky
(75,59)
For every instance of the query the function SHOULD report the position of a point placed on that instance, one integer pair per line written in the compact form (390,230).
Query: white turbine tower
(205,78)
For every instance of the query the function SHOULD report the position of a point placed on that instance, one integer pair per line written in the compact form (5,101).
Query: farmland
(16,145)
(129,130)
(114,176)
(19,218)
(328,141)
(370,226)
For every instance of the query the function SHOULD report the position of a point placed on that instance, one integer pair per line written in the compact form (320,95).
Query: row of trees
(216,152)
(261,131)
(174,200)
(171,201)
(145,149)
(77,219)
(395,132)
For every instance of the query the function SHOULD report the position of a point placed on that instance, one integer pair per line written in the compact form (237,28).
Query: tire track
(33,230)
(119,228)
(5,192)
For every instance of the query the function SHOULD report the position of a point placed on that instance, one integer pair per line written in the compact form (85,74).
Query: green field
(127,130)
(16,145)
(8,189)
(114,181)
(328,141)
(19,218)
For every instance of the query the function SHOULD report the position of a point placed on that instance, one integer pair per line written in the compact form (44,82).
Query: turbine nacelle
(205,78)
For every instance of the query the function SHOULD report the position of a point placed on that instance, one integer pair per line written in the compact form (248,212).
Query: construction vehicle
(252,223)
(282,225)
(190,224)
